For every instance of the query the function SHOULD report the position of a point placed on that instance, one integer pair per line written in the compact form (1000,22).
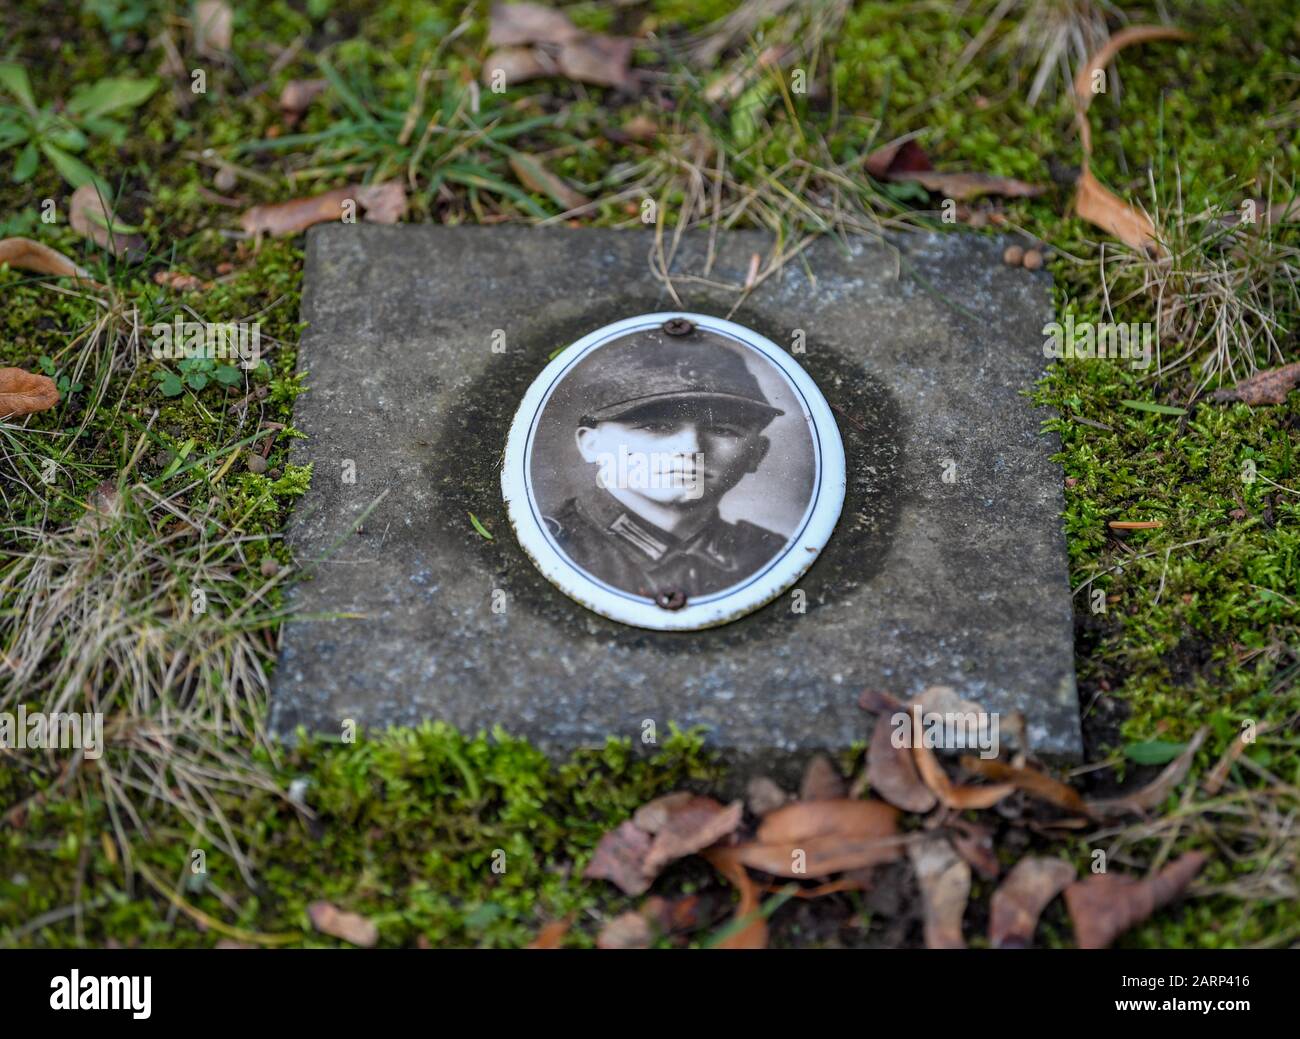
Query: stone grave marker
(945,563)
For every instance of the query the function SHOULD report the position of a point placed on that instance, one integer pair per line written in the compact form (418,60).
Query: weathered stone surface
(923,349)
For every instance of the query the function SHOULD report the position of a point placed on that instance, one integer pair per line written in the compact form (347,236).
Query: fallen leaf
(518,65)
(688,825)
(180,281)
(816,838)
(297,96)
(281,219)
(944,880)
(905,160)
(891,770)
(899,156)
(804,819)
(1153,794)
(25,393)
(551,936)
(536,177)
(384,203)
(91,218)
(1268,387)
(966,186)
(1097,204)
(1030,780)
(27,255)
(822,781)
(1105,905)
(974,843)
(213,28)
(620,858)
(524,23)
(754,934)
(877,701)
(1019,901)
(949,793)
(1093,201)
(349,927)
(672,915)
(597,59)
(628,930)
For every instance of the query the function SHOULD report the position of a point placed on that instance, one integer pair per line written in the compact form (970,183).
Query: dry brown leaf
(384,203)
(597,59)
(1154,793)
(948,792)
(536,177)
(628,930)
(974,843)
(1097,204)
(518,65)
(876,701)
(804,819)
(903,159)
(1030,780)
(822,781)
(25,393)
(620,858)
(297,96)
(892,771)
(816,838)
(524,23)
(754,934)
(213,28)
(966,186)
(1105,905)
(551,936)
(349,927)
(180,281)
(899,156)
(281,219)
(27,255)
(691,824)
(1093,201)
(944,880)
(1269,387)
(1021,898)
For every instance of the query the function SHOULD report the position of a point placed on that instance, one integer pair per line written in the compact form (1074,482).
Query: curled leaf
(349,927)
(816,838)
(949,793)
(1030,780)
(1269,387)
(25,393)
(892,771)
(1020,900)
(944,880)
(754,934)
(620,859)
(1105,905)
(27,255)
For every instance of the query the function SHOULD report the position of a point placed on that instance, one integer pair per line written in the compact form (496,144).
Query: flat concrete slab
(947,566)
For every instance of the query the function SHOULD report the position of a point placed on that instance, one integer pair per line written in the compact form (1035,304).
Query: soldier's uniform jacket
(617,546)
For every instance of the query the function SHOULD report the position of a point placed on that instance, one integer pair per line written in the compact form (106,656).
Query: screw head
(671,599)
(678,326)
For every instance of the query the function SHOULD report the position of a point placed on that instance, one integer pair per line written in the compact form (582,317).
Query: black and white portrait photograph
(673,463)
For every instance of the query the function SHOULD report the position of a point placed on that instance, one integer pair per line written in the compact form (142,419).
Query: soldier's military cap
(652,368)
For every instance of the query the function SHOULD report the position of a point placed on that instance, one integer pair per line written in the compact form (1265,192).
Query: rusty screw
(670,600)
(678,326)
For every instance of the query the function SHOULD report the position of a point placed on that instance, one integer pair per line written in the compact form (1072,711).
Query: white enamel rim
(811,534)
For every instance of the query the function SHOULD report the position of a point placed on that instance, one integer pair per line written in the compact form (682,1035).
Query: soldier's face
(677,453)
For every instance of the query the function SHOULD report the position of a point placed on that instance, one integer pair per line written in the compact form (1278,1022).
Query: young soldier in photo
(673,425)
